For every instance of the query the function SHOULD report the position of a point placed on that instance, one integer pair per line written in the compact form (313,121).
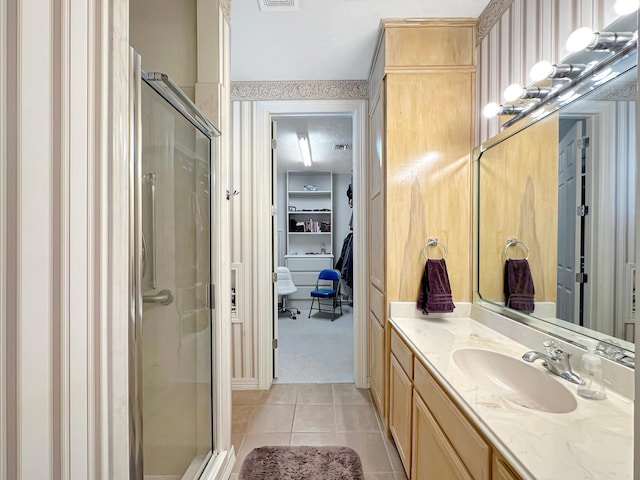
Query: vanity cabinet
(400,398)
(501,469)
(434,438)
(434,457)
(422,97)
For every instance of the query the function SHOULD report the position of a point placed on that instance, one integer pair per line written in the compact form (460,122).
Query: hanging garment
(345,263)
(435,290)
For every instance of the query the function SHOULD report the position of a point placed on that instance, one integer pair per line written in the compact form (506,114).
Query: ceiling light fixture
(544,69)
(516,92)
(624,7)
(586,39)
(492,109)
(305,150)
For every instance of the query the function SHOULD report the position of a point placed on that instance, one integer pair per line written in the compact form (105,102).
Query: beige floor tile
(272,419)
(252,441)
(313,439)
(356,418)
(370,447)
(284,394)
(314,418)
(246,397)
(400,476)
(241,416)
(318,394)
(379,476)
(348,394)
(396,463)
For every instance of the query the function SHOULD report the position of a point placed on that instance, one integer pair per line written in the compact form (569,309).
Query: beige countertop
(595,441)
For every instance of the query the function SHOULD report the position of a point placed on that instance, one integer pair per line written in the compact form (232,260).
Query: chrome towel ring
(433,242)
(512,242)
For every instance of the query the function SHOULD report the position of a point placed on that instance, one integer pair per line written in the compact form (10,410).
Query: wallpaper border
(300,90)
(490,16)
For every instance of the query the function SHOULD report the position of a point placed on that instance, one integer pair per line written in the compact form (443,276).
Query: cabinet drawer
(306,264)
(304,278)
(402,353)
(472,448)
(303,293)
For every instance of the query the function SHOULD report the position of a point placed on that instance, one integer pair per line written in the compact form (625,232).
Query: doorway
(313,231)
(264,115)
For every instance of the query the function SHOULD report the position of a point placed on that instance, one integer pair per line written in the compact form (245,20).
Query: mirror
(562,192)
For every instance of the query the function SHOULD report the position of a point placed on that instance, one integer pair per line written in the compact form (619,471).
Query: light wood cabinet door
(502,470)
(400,393)
(433,456)
(376,362)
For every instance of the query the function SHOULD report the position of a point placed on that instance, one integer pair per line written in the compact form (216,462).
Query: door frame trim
(263,112)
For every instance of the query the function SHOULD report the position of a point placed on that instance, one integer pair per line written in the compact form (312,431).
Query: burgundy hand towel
(518,285)
(435,290)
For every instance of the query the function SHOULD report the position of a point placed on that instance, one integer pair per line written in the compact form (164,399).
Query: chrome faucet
(556,360)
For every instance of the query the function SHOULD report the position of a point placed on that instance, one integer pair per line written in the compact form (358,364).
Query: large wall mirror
(561,192)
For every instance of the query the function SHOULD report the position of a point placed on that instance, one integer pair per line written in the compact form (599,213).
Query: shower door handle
(164,297)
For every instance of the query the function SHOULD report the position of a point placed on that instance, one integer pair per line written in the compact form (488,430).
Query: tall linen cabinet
(422,97)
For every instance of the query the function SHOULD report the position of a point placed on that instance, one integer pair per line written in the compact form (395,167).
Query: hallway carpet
(302,463)
(316,350)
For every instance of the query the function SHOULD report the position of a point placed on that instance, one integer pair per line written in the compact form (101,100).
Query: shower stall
(170,331)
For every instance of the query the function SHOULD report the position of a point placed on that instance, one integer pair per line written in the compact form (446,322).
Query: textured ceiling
(323,39)
(323,133)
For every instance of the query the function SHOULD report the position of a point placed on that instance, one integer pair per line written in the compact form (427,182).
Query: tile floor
(314,414)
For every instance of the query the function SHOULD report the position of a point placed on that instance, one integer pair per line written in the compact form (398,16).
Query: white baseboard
(245,384)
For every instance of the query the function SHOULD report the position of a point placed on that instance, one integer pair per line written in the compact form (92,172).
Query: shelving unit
(309,228)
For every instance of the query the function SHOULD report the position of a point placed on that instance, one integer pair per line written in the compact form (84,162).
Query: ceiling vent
(344,146)
(279,5)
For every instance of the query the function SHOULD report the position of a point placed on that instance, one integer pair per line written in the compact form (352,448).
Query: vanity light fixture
(624,7)
(544,69)
(492,109)
(586,39)
(516,92)
(305,150)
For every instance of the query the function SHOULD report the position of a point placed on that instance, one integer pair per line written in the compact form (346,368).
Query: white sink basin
(514,380)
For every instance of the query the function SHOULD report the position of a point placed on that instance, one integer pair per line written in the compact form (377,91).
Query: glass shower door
(175,351)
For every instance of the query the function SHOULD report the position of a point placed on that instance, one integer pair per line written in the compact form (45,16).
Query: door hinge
(212,296)
(274,343)
(274,143)
(582,210)
(274,210)
(582,278)
(274,277)
(583,142)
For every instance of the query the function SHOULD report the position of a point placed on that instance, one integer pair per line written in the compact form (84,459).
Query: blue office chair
(327,288)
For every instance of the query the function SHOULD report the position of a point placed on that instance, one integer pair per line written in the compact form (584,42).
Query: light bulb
(491,110)
(581,39)
(541,70)
(513,92)
(624,7)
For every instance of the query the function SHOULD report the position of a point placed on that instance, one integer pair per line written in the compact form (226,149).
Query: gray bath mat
(302,463)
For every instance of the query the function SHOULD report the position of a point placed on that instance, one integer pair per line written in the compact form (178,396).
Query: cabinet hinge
(582,210)
(582,278)
(274,143)
(274,277)
(274,343)
(583,142)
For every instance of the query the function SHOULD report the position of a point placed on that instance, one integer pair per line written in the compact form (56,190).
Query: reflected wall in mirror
(565,187)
